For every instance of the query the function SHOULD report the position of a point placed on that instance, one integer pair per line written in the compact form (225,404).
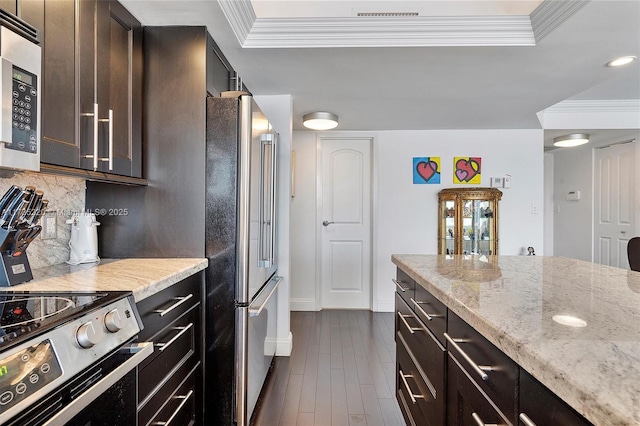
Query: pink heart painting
(426,170)
(467,169)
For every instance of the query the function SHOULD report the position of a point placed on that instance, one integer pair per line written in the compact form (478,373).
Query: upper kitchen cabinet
(92,87)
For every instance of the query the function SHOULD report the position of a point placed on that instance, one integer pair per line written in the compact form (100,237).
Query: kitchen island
(573,325)
(143,277)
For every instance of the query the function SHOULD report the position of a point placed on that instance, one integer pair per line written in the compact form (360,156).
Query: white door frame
(374,185)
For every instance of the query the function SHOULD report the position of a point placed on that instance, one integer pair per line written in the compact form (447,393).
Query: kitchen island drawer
(413,394)
(405,286)
(171,346)
(180,408)
(493,371)
(431,311)
(161,309)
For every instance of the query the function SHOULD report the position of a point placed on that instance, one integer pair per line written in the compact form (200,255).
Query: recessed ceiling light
(569,320)
(320,120)
(624,60)
(573,139)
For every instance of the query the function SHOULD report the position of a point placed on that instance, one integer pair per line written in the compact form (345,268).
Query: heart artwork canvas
(467,170)
(426,170)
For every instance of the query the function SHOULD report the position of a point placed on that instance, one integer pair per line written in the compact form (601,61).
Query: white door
(345,223)
(614,203)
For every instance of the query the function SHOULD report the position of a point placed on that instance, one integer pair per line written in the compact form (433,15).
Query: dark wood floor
(341,372)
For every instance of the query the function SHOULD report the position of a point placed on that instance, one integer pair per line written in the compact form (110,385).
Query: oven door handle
(140,352)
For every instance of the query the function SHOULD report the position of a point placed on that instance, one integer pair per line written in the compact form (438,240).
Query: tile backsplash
(66,195)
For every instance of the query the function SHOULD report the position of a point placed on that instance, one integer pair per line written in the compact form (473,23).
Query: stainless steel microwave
(20,66)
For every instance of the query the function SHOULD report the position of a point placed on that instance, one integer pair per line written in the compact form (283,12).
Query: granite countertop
(143,277)
(512,301)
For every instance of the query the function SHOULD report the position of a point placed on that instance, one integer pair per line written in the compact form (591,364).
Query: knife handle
(39,212)
(10,211)
(4,201)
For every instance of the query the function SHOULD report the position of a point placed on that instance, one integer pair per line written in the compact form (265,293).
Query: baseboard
(284,345)
(305,305)
(384,306)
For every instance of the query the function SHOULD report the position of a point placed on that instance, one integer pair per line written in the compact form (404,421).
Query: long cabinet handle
(478,368)
(418,307)
(403,317)
(185,399)
(406,385)
(110,121)
(180,301)
(162,346)
(476,418)
(526,420)
(96,121)
(398,284)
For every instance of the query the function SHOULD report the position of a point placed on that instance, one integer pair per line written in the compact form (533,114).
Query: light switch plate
(49,224)
(497,182)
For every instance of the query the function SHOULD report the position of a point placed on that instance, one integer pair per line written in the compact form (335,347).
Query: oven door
(103,395)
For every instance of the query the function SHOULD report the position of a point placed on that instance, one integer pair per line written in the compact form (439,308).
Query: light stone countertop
(511,300)
(143,277)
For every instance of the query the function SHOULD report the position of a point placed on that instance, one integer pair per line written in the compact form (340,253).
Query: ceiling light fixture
(618,62)
(573,139)
(320,120)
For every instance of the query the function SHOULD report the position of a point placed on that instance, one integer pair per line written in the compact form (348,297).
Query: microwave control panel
(24,119)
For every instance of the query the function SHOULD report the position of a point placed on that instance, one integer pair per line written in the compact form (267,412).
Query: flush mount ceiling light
(573,139)
(320,120)
(624,60)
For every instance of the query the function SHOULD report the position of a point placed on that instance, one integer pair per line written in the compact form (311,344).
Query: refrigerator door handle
(267,200)
(274,199)
(257,306)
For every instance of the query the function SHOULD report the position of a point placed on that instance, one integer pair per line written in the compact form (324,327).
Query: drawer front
(161,309)
(413,394)
(170,347)
(540,406)
(180,407)
(481,358)
(466,404)
(431,311)
(405,286)
(427,367)
(158,400)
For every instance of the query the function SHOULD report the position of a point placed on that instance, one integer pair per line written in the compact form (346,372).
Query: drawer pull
(526,420)
(417,305)
(185,399)
(398,284)
(179,301)
(162,346)
(412,330)
(406,385)
(476,418)
(480,369)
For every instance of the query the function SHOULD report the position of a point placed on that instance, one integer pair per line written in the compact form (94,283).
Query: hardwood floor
(341,372)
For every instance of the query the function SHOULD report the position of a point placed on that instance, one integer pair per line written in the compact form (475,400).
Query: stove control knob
(87,335)
(113,321)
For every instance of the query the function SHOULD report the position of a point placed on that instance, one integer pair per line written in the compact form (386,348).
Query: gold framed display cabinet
(468,221)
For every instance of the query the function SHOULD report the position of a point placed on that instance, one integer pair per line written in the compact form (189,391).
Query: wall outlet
(49,224)
(506,182)
(534,209)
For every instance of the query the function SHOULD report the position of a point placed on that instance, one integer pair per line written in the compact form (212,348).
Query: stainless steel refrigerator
(241,246)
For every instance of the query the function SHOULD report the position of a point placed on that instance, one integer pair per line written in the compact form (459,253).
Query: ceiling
(477,67)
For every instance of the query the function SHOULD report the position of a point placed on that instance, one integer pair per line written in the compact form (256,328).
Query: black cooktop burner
(26,314)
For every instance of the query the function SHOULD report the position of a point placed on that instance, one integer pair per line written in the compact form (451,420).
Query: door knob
(326,223)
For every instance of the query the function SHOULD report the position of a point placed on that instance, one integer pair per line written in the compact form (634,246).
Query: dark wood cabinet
(92,86)
(170,381)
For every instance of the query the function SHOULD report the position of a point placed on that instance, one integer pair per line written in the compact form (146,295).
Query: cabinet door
(59,143)
(466,404)
(118,89)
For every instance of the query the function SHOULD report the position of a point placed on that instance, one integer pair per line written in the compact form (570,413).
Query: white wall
(279,110)
(573,220)
(405,215)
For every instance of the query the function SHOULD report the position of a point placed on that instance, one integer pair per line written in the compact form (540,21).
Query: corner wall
(405,215)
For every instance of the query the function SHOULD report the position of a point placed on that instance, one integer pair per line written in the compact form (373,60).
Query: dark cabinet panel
(542,407)
(405,286)
(431,311)
(466,403)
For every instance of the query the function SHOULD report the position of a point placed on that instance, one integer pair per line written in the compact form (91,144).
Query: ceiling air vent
(387,14)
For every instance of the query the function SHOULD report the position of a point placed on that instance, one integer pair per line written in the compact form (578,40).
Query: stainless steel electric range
(69,358)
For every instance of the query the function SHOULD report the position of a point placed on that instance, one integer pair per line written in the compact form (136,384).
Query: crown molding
(412,31)
(240,15)
(595,106)
(551,13)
